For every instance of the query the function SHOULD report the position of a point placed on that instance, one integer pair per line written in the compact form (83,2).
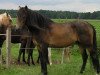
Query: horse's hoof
(43,73)
(4,61)
(24,62)
(81,72)
(38,62)
(50,64)
(97,74)
(28,64)
(18,62)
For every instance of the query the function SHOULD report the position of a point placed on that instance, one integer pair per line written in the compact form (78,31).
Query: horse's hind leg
(84,57)
(95,60)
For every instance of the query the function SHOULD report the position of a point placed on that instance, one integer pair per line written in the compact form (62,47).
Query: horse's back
(60,35)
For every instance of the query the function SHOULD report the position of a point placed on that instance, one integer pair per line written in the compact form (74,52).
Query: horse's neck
(1,16)
(0,19)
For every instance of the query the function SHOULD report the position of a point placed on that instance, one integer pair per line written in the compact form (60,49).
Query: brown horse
(17,36)
(5,20)
(50,34)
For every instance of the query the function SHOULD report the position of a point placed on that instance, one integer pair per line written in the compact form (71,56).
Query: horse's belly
(61,42)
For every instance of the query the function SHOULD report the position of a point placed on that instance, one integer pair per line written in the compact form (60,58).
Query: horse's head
(26,18)
(5,19)
(22,16)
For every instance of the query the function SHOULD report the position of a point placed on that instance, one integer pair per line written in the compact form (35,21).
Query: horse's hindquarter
(85,33)
(60,35)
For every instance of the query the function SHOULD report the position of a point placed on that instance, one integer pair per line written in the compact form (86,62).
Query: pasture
(67,68)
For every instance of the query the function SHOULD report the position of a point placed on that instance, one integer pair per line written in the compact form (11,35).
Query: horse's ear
(7,14)
(19,7)
(26,7)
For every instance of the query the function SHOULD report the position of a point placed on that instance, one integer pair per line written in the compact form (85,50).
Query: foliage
(61,14)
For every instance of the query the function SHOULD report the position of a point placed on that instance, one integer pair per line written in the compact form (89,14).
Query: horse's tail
(96,61)
(94,39)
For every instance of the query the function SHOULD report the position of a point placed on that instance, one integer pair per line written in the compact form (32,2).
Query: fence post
(49,56)
(65,54)
(8,46)
(62,56)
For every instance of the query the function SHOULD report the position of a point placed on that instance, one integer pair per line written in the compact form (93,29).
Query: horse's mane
(37,19)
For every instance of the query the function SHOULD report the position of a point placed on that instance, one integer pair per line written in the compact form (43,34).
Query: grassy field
(67,68)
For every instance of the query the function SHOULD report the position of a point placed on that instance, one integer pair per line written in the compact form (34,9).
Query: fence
(8,46)
(8,49)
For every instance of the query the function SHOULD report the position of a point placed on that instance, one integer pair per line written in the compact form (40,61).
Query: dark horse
(19,37)
(50,34)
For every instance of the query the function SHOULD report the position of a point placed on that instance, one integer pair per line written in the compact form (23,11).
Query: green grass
(67,68)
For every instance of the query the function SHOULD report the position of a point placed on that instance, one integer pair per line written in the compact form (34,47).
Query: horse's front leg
(28,60)
(47,57)
(32,46)
(19,56)
(43,60)
(30,54)
(22,50)
(32,57)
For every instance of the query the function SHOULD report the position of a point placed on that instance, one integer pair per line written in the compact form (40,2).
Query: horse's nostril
(10,20)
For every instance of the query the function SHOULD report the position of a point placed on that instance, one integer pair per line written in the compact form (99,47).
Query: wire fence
(97,32)
(98,40)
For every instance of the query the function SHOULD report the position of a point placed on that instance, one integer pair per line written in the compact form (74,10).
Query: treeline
(60,14)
